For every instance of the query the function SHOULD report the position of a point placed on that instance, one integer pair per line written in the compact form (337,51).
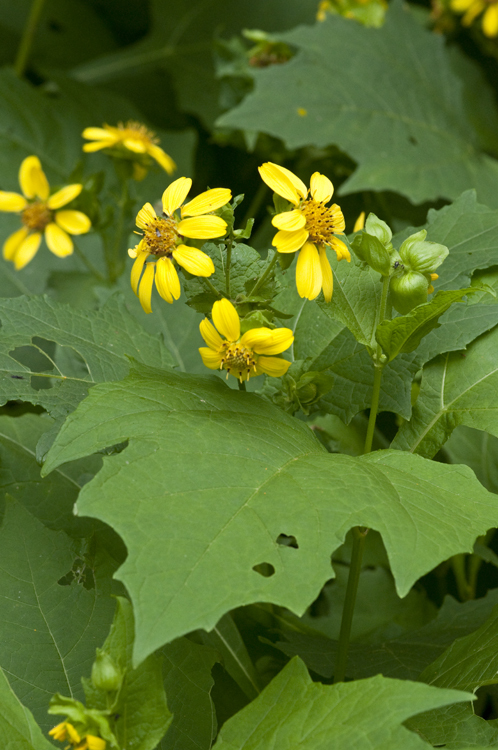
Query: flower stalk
(28,36)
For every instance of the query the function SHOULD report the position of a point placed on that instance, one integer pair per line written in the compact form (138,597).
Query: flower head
(127,139)
(163,240)
(242,356)
(473,8)
(309,227)
(66,731)
(40,217)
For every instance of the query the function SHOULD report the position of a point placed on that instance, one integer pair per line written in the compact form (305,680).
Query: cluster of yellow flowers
(66,731)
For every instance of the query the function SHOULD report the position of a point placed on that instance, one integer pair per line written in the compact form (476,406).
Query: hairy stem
(269,268)
(212,287)
(28,36)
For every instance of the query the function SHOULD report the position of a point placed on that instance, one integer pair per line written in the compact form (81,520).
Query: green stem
(259,283)
(212,287)
(378,367)
(242,385)
(114,261)
(229,263)
(28,36)
(255,204)
(81,255)
(458,566)
(359,536)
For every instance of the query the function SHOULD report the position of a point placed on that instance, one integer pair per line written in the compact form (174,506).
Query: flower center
(322,221)
(160,236)
(238,361)
(36,216)
(134,129)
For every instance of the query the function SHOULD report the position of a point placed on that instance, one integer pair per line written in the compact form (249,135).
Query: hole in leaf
(287,541)
(264,569)
(38,357)
(413,140)
(79,573)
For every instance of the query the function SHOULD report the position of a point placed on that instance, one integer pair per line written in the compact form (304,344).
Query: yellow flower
(91,742)
(473,8)
(310,227)
(128,137)
(163,239)
(65,730)
(39,216)
(246,356)
(360,222)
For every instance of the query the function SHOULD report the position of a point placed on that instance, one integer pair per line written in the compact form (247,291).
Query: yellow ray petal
(98,145)
(145,288)
(490,21)
(202,227)
(273,366)
(14,242)
(167,281)
(27,250)
(193,260)
(474,10)
(279,340)
(206,202)
(136,271)
(32,179)
(140,248)
(135,145)
(256,338)
(460,6)
(175,194)
(94,743)
(210,335)
(12,201)
(278,179)
(74,222)
(162,158)
(327,277)
(359,223)
(340,249)
(321,188)
(338,218)
(289,242)
(145,216)
(289,221)
(209,358)
(73,735)
(66,195)
(58,241)
(226,319)
(97,134)
(308,272)
(58,732)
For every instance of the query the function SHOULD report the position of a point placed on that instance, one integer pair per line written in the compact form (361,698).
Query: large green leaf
(457,388)
(476,449)
(18,729)
(367,715)
(455,728)
(411,136)
(281,482)
(48,630)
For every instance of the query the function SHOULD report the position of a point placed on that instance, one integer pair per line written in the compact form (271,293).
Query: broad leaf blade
(18,729)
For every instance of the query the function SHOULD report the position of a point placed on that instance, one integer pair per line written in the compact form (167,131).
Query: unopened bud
(422,256)
(369,249)
(408,291)
(105,674)
(379,229)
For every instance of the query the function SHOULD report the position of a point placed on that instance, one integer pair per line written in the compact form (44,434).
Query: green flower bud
(370,249)
(423,257)
(105,674)
(378,228)
(408,291)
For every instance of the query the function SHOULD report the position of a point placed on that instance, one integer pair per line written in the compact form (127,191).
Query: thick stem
(229,263)
(28,36)
(269,268)
(374,407)
(242,385)
(359,536)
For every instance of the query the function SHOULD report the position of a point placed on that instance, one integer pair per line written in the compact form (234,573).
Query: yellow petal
(226,319)
(94,743)
(74,222)
(490,21)
(256,338)
(58,241)
(321,188)
(12,201)
(175,194)
(58,732)
(209,358)
(27,250)
(340,249)
(474,10)
(72,733)
(167,281)
(66,195)
(145,216)
(135,145)
(136,271)
(32,178)
(289,221)
(282,182)
(337,218)
(206,202)
(308,272)
(98,145)
(193,260)
(97,134)
(327,277)
(359,223)
(202,227)
(145,288)
(289,242)
(210,335)
(278,341)
(273,366)
(162,158)
(13,243)
(434,276)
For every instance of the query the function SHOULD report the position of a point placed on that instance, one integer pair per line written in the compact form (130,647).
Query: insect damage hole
(287,541)
(264,569)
